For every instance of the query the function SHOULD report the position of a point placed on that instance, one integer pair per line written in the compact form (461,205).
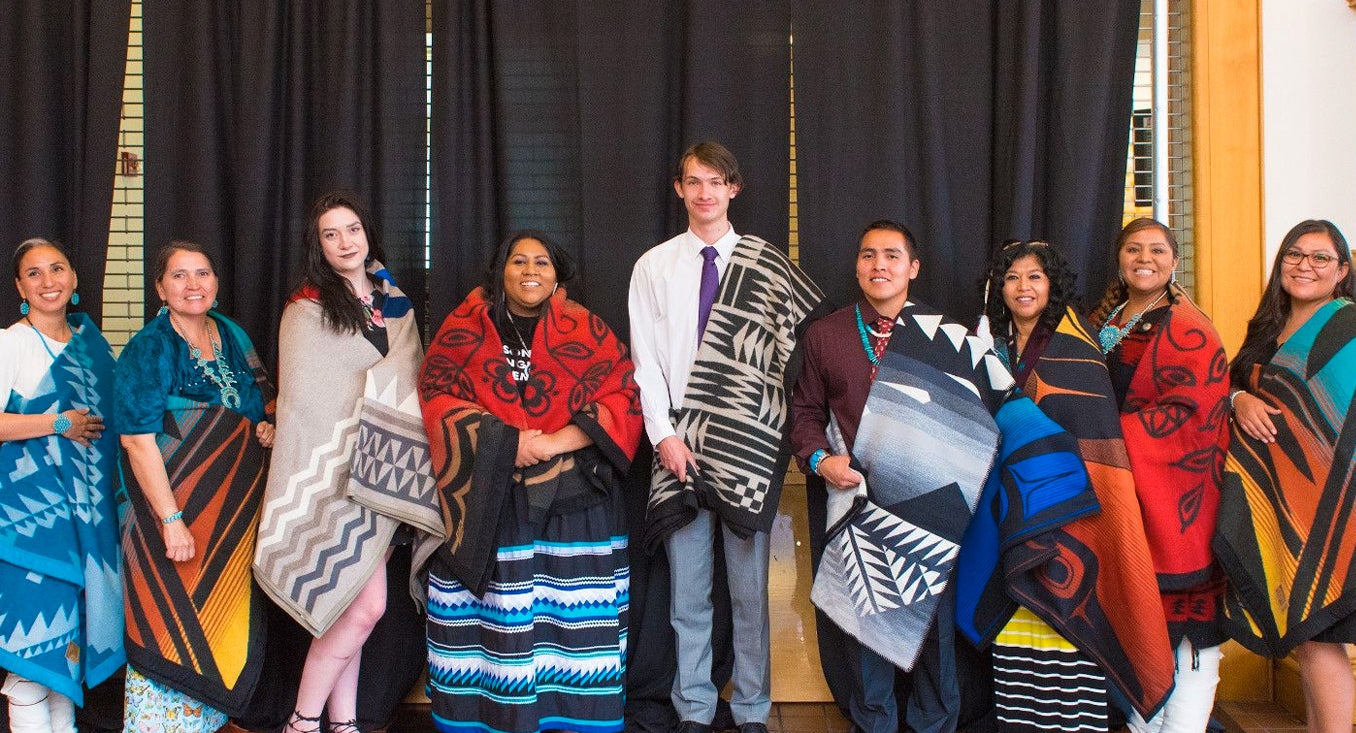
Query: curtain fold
(255,109)
(61,88)
(569,117)
(972,122)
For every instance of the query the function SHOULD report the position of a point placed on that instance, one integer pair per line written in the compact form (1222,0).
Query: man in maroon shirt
(841,352)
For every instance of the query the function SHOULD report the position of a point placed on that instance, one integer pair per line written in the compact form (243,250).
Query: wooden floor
(1237,717)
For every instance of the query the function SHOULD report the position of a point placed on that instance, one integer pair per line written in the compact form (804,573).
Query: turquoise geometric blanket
(61,617)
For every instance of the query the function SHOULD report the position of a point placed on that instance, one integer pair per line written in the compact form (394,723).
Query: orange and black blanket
(1091,579)
(198,626)
(474,410)
(1286,536)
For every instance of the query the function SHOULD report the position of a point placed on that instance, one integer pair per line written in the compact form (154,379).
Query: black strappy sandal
(297,720)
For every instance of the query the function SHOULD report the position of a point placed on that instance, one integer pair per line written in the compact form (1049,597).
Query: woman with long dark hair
(533,418)
(1170,377)
(59,540)
(1286,516)
(349,469)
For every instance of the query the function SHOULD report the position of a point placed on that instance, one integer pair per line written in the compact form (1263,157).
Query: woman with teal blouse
(193,408)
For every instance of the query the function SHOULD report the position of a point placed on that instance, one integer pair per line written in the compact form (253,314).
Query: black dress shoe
(752,727)
(692,726)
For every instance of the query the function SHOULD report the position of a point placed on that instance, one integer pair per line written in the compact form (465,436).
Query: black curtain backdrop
(569,117)
(61,69)
(972,122)
(254,109)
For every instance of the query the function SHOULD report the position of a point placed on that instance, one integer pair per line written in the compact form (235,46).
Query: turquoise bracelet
(815,459)
(171,519)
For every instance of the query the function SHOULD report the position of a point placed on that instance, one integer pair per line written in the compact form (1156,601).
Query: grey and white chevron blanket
(350,461)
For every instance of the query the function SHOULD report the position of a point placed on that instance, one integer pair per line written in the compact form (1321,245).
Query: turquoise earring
(23,307)
(75,298)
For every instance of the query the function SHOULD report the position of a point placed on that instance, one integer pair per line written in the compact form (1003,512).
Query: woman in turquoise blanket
(192,407)
(1286,515)
(60,598)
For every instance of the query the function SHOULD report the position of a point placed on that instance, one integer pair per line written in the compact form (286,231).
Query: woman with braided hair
(1170,376)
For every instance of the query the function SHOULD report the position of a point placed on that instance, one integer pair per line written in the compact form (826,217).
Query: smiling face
(884,270)
(1026,289)
(45,280)
(705,193)
(189,284)
(344,242)
(1146,261)
(529,277)
(1303,281)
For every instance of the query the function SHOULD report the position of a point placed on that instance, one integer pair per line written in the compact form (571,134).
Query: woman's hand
(85,428)
(178,541)
(1254,417)
(543,447)
(526,456)
(839,473)
(264,432)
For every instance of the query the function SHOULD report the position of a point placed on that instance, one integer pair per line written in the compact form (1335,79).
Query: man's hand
(839,473)
(675,456)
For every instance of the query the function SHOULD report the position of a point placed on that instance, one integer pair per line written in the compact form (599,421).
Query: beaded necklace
(1110,336)
(217,371)
(866,335)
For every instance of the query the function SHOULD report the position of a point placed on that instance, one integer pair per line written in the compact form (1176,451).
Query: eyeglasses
(1318,260)
(1019,243)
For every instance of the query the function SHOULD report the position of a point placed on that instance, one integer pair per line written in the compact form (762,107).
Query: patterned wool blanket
(198,626)
(1175,419)
(1286,537)
(734,414)
(474,410)
(350,460)
(1091,578)
(60,593)
(925,444)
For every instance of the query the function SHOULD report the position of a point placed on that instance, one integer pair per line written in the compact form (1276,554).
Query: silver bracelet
(1234,396)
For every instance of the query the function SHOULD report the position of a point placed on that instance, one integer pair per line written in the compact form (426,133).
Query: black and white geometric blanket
(734,413)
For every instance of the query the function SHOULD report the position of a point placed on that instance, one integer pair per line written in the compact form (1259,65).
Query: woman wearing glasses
(1170,376)
(1287,508)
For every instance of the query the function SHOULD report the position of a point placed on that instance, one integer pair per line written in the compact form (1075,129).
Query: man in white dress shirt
(713,321)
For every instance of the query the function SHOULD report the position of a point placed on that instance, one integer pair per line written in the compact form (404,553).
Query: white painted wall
(1308,116)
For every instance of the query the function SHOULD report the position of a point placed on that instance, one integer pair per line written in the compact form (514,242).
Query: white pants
(36,709)
(1188,707)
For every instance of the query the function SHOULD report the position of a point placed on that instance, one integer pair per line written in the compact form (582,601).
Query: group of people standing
(1099,499)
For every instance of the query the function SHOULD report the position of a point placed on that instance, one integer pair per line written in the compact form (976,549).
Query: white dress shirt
(665,287)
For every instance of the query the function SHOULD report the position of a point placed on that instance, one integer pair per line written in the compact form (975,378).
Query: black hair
(1273,310)
(493,280)
(163,255)
(1117,291)
(341,309)
(894,226)
(32,244)
(1063,281)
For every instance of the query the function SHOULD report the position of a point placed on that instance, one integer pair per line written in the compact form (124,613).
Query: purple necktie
(707,297)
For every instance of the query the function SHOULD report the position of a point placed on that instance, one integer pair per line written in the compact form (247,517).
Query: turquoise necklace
(1110,336)
(218,372)
(866,337)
